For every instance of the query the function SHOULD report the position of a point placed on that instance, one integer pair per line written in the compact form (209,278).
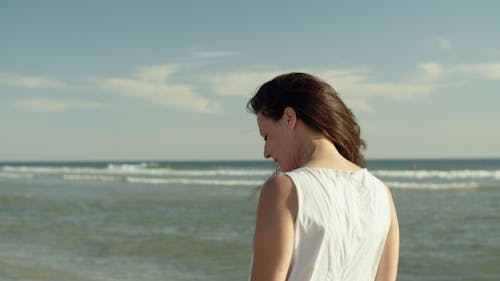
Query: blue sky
(169,80)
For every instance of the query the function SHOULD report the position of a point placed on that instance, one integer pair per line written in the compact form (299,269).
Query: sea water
(195,220)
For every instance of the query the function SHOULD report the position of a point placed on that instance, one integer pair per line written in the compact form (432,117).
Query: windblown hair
(317,104)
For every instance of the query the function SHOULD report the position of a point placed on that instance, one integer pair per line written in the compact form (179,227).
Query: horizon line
(232,160)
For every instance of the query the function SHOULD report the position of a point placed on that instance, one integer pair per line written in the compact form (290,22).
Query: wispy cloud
(358,104)
(238,83)
(357,85)
(215,54)
(53,105)
(361,85)
(157,73)
(158,85)
(431,70)
(151,85)
(443,43)
(30,82)
(488,70)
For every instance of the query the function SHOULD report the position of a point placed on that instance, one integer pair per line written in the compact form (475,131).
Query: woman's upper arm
(274,230)
(388,265)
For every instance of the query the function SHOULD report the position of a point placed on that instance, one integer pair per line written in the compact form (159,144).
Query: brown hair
(317,104)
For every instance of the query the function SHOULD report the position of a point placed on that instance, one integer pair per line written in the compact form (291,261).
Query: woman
(325,217)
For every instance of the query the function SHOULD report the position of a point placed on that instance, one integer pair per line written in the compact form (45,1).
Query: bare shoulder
(279,193)
(278,187)
(279,184)
(389,193)
(387,188)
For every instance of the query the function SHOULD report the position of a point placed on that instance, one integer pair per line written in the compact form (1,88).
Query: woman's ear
(290,117)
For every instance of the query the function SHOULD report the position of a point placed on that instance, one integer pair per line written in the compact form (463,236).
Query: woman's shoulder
(279,193)
(277,186)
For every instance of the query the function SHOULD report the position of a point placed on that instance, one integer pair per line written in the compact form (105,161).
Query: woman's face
(278,143)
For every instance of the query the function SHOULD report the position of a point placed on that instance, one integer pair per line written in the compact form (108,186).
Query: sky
(169,80)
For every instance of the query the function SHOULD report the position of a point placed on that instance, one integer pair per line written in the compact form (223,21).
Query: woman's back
(341,225)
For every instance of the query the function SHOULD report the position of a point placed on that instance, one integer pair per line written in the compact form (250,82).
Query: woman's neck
(319,152)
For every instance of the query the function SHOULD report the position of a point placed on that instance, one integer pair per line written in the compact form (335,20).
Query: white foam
(427,174)
(11,175)
(419,185)
(192,172)
(141,169)
(50,169)
(236,176)
(144,170)
(92,178)
(193,181)
(127,167)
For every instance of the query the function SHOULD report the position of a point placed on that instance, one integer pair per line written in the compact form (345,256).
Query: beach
(156,220)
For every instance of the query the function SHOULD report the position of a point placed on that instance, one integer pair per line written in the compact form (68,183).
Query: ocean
(180,221)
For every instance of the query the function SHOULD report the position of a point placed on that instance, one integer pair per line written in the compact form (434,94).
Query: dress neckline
(361,170)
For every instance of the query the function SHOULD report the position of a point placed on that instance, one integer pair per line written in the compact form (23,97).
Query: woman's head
(315,103)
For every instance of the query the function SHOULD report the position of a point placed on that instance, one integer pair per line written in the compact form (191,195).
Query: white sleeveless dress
(341,227)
